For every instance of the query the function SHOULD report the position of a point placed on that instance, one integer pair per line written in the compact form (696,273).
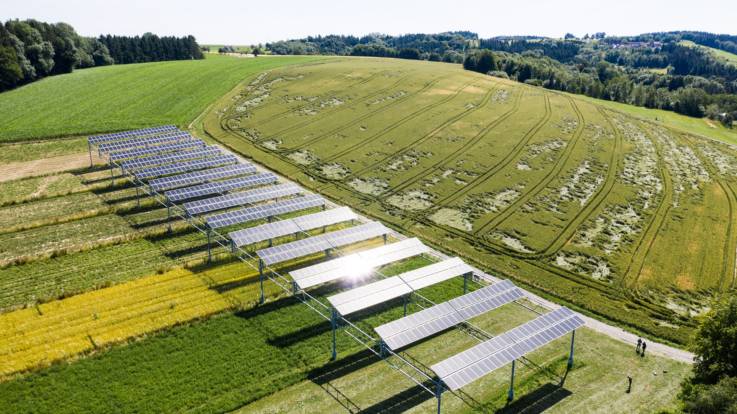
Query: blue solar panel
(139,163)
(241,198)
(199,177)
(263,211)
(220,187)
(117,136)
(157,150)
(186,166)
(162,139)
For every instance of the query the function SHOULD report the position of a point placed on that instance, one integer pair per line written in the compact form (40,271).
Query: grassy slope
(729,57)
(123,96)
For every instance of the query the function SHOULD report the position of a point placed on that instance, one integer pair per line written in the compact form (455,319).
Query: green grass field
(572,198)
(729,57)
(124,96)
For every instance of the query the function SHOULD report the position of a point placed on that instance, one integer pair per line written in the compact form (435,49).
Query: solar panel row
(291,226)
(469,365)
(186,166)
(170,158)
(143,142)
(116,136)
(366,296)
(357,265)
(199,177)
(151,151)
(420,325)
(241,198)
(322,242)
(219,187)
(248,214)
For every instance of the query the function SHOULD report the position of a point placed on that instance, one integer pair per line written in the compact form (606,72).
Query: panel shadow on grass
(537,401)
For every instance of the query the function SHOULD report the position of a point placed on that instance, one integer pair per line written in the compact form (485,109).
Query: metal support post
(232,247)
(465,283)
(112,175)
(261,279)
(438,392)
(570,356)
(510,395)
(404,299)
(209,250)
(89,148)
(295,288)
(168,216)
(334,324)
(384,239)
(382,349)
(138,197)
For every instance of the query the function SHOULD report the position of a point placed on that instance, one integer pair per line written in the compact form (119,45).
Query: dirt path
(44,166)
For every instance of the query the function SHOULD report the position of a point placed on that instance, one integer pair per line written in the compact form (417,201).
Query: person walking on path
(644,345)
(639,344)
(629,383)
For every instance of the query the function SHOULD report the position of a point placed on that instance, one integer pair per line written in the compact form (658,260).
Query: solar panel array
(427,322)
(241,198)
(147,162)
(365,296)
(199,177)
(263,211)
(357,265)
(322,242)
(220,187)
(186,166)
(117,136)
(156,150)
(144,142)
(469,365)
(291,226)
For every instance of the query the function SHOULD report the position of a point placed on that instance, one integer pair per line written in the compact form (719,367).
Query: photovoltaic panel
(143,142)
(263,211)
(357,265)
(116,136)
(219,187)
(436,273)
(148,162)
(469,365)
(199,177)
(186,166)
(322,242)
(241,198)
(291,226)
(366,296)
(156,150)
(427,322)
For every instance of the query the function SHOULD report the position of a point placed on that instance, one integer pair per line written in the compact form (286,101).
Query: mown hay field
(578,200)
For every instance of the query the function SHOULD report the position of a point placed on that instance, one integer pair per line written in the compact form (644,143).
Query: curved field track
(565,195)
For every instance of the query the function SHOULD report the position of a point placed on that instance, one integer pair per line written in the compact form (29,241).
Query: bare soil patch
(44,166)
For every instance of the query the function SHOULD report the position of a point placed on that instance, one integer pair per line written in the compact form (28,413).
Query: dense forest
(31,50)
(654,70)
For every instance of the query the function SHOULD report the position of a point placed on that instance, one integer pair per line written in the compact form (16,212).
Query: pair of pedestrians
(641,345)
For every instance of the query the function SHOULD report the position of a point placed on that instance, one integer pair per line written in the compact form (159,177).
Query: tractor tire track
(396,125)
(507,212)
(568,231)
(455,154)
(363,117)
(281,115)
(639,256)
(307,122)
(729,193)
(504,161)
(424,138)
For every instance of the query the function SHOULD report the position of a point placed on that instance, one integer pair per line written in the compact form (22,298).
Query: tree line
(31,50)
(692,81)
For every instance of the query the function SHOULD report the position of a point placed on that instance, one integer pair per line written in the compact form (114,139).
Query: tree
(715,344)
(485,62)
(569,36)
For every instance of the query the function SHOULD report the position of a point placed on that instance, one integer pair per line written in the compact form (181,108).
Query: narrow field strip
(57,330)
